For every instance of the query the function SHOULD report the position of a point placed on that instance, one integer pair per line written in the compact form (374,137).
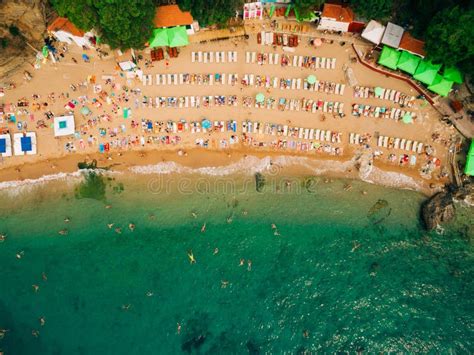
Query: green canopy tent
(469,169)
(389,57)
(177,36)
(287,12)
(426,72)
(453,74)
(159,38)
(408,62)
(441,86)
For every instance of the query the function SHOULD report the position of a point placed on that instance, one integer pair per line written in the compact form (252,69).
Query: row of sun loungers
(193,79)
(326,87)
(311,62)
(360,110)
(192,101)
(307,105)
(385,94)
(400,143)
(249,127)
(214,57)
(23,143)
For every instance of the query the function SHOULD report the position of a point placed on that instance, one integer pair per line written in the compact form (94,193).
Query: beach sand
(52,157)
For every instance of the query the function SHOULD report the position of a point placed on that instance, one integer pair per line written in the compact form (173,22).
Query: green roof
(389,57)
(408,62)
(177,36)
(441,86)
(469,169)
(159,38)
(426,72)
(453,74)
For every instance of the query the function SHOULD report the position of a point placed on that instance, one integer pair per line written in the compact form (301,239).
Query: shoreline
(212,163)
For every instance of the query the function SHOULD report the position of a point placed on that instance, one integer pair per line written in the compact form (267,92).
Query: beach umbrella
(260,98)
(287,12)
(272,10)
(311,79)
(206,124)
(453,74)
(407,118)
(45,51)
(85,110)
(378,91)
(317,42)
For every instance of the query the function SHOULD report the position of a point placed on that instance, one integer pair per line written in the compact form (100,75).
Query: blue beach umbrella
(206,124)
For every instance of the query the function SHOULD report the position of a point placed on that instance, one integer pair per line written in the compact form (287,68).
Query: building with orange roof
(336,18)
(171,15)
(65,31)
(412,45)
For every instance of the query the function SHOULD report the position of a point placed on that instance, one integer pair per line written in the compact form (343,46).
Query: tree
(305,7)
(208,12)
(450,37)
(373,9)
(120,23)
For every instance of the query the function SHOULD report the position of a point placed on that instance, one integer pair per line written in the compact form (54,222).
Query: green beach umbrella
(426,72)
(45,51)
(159,38)
(453,74)
(389,57)
(85,110)
(272,10)
(297,14)
(441,86)
(287,12)
(469,168)
(311,79)
(378,91)
(408,62)
(260,98)
(177,36)
(407,118)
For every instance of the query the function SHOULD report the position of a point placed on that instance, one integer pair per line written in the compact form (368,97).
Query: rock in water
(437,210)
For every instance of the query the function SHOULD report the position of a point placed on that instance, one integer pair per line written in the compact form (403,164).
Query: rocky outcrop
(441,208)
(28,16)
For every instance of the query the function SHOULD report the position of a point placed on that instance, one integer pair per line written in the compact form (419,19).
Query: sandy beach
(131,142)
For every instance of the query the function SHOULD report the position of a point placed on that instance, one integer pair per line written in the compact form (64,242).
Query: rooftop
(63,24)
(171,15)
(412,45)
(373,32)
(393,35)
(338,13)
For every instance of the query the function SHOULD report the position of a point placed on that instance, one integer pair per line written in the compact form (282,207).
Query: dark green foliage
(86,165)
(373,9)
(259,182)
(208,12)
(14,31)
(305,7)
(450,38)
(93,187)
(3,42)
(120,23)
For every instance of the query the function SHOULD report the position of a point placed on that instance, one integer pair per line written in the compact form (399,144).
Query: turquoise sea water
(346,271)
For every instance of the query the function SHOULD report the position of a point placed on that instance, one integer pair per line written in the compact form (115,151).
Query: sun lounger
(317,135)
(402,144)
(380,141)
(333,63)
(385,142)
(396,144)
(408,145)
(351,138)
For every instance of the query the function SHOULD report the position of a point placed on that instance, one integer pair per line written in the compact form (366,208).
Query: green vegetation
(208,12)
(305,7)
(450,38)
(3,42)
(119,23)
(14,31)
(373,9)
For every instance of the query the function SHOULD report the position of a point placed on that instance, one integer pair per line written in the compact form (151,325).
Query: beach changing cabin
(5,145)
(64,126)
(24,143)
(336,18)
(253,10)
(65,31)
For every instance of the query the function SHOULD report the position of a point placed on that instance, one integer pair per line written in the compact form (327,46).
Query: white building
(336,18)
(373,32)
(65,31)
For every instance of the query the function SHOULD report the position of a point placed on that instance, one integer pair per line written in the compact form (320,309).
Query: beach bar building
(336,18)
(170,16)
(64,126)
(393,35)
(65,31)
(373,32)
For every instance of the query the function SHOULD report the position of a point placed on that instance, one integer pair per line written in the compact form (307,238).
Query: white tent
(6,145)
(373,32)
(128,65)
(64,126)
(24,143)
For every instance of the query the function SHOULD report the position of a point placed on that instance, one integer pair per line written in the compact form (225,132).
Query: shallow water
(355,271)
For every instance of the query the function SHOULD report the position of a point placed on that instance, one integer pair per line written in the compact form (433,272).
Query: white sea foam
(392,179)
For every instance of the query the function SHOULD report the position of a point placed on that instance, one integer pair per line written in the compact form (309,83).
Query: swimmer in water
(149,294)
(3,332)
(42,321)
(110,225)
(126,307)
(44,277)
(249,265)
(203,228)
(274,226)
(151,216)
(35,288)
(108,206)
(192,260)
(3,237)
(242,261)
(276,232)
(355,246)
(216,250)
(224,284)
(229,220)
(178,328)
(67,220)
(131,226)
(244,212)
(20,254)
(194,214)
(118,230)
(63,232)
(35,333)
